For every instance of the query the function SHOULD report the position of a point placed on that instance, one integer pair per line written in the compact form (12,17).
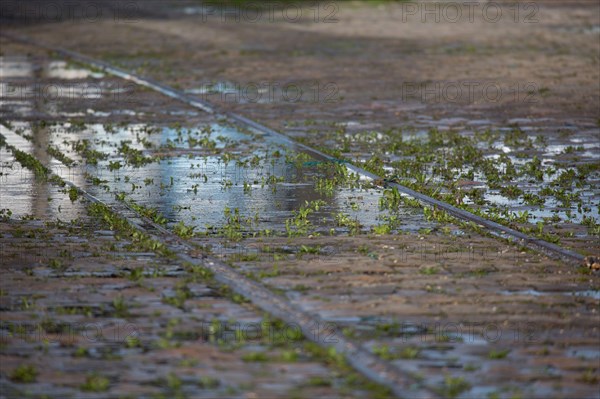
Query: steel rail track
(523,239)
(362,360)
(399,381)
(545,247)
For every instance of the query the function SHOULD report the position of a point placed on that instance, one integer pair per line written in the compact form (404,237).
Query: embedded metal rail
(361,359)
(523,239)
(313,327)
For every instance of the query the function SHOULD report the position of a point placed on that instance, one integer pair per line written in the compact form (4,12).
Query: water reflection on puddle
(196,183)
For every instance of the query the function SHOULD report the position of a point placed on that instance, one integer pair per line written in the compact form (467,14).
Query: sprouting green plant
(133,342)
(95,383)
(199,272)
(304,249)
(31,163)
(255,357)
(134,157)
(409,352)
(498,354)
(289,356)
(173,382)
(183,231)
(454,386)
(318,381)
(81,352)
(120,307)
(344,220)
(55,264)
(5,213)
(247,188)
(136,274)
(382,229)
(232,229)
(24,374)
(300,224)
(589,376)
(206,382)
(182,293)
(429,270)
(56,153)
(383,351)
(391,199)
(325,186)
(73,194)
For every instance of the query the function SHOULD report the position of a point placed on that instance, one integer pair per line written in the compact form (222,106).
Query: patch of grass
(498,354)
(318,381)
(120,307)
(140,241)
(206,382)
(429,270)
(255,357)
(590,376)
(173,382)
(24,374)
(136,274)
(305,249)
(382,229)
(81,352)
(31,163)
(183,231)
(95,383)
(409,352)
(384,352)
(470,367)
(182,293)
(73,194)
(289,356)
(56,153)
(454,386)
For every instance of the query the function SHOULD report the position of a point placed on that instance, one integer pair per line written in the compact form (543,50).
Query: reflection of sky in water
(586,149)
(15,67)
(201,203)
(185,195)
(24,195)
(62,70)
(179,190)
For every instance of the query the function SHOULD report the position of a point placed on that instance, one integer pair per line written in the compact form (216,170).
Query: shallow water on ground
(195,185)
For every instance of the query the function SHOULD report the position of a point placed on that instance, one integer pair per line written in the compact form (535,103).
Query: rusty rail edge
(394,377)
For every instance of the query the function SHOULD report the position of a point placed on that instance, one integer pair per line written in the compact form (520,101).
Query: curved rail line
(523,239)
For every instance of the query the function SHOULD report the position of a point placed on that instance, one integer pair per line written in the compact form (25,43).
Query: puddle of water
(585,353)
(26,196)
(62,70)
(195,186)
(15,67)
(595,294)
(215,88)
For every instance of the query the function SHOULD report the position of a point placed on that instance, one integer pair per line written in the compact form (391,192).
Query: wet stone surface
(464,314)
(139,329)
